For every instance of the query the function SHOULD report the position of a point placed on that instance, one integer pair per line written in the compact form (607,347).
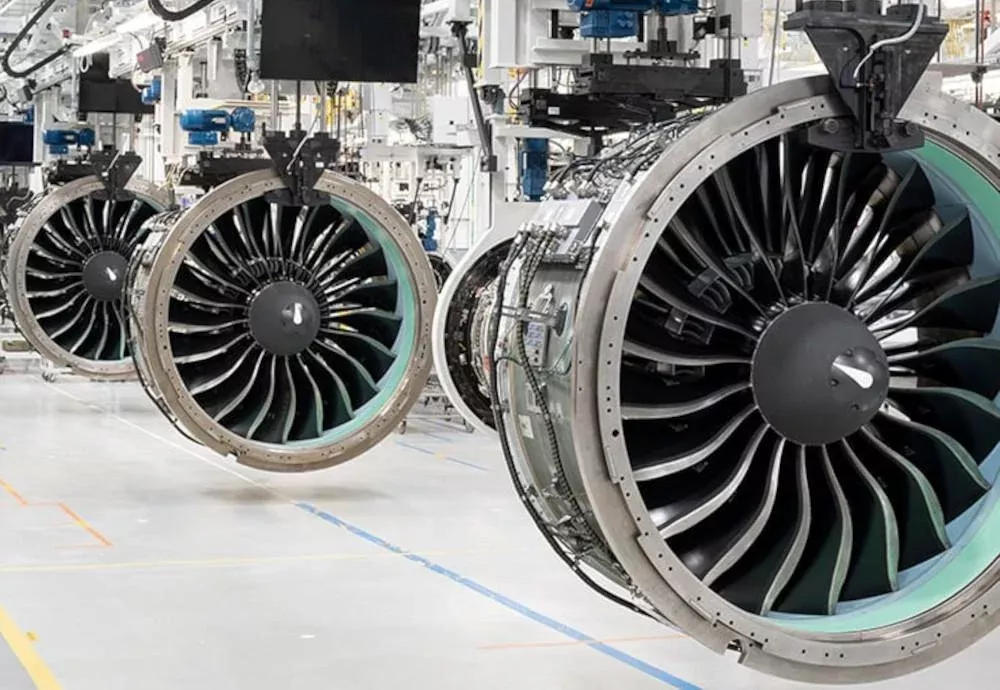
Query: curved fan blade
(184,295)
(647,468)
(747,536)
(696,508)
(244,392)
(797,545)
(874,566)
(204,384)
(342,408)
(696,247)
(944,461)
(694,399)
(203,355)
(310,423)
(817,583)
(967,417)
(751,585)
(673,299)
(360,373)
(921,518)
(972,306)
(49,256)
(681,354)
(50,234)
(969,364)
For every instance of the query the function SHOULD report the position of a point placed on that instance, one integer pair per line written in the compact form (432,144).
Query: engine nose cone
(104,275)
(819,374)
(284,318)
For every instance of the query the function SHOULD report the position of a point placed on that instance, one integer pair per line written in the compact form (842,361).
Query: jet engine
(293,337)
(65,273)
(749,385)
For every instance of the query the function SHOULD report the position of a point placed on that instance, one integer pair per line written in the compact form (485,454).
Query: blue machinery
(205,127)
(153,93)
(60,141)
(429,237)
(620,18)
(534,165)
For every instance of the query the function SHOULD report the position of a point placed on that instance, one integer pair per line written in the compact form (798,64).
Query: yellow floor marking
(10,490)
(22,645)
(574,643)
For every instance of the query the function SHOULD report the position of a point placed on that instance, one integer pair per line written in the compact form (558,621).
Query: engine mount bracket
(300,160)
(115,169)
(874,61)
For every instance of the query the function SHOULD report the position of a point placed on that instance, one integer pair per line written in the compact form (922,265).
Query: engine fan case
(442,267)
(610,516)
(456,314)
(23,239)
(153,278)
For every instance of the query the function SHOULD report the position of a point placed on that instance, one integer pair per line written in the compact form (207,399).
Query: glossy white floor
(130,558)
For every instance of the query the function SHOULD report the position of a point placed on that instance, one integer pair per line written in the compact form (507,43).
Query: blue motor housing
(614,24)
(428,239)
(203,138)
(662,6)
(243,120)
(204,121)
(216,122)
(59,141)
(620,18)
(534,168)
(153,93)
(59,137)
(86,137)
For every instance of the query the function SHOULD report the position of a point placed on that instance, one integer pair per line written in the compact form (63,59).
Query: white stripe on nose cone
(859,376)
(112,276)
(297,314)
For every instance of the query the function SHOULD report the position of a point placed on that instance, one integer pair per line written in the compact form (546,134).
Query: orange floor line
(85,525)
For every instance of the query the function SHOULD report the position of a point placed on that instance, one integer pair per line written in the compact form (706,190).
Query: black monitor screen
(113,96)
(17,143)
(340,40)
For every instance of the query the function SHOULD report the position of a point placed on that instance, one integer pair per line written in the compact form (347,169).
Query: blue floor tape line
(404,444)
(607,650)
(449,458)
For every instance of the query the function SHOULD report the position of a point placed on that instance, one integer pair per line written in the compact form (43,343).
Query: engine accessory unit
(65,271)
(292,337)
(763,406)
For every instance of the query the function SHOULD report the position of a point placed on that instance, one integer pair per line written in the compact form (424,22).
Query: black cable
(498,415)
(451,202)
(175,16)
(21,35)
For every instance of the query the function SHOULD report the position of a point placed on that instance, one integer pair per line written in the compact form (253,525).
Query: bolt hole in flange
(66,273)
(805,393)
(289,336)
